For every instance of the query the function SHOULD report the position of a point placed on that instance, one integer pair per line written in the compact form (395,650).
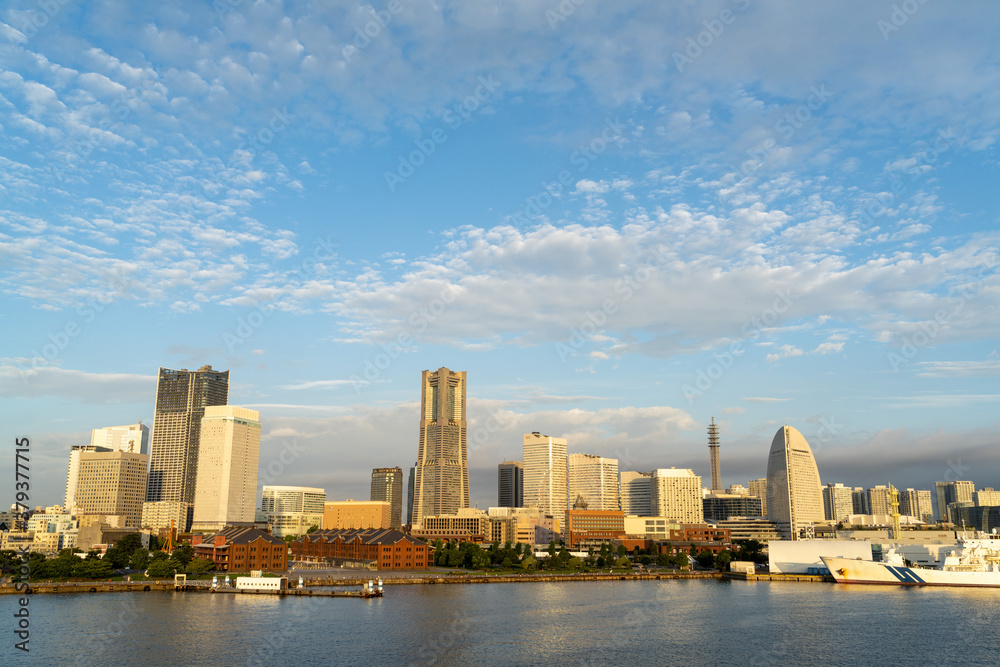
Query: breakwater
(387,579)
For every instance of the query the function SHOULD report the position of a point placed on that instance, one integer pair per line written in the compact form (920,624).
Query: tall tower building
(229,451)
(387,486)
(713,453)
(181,399)
(595,478)
(676,495)
(837,501)
(794,499)
(636,493)
(859,498)
(441,478)
(545,475)
(510,484)
(112,483)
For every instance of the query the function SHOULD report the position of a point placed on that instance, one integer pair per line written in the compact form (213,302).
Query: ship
(975,563)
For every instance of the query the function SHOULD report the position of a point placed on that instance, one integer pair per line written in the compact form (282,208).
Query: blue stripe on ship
(905,575)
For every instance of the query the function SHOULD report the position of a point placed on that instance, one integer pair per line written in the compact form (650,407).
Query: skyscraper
(441,478)
(181,399)
(409,495)
(879,500)
(917,503)
(947,493)
(794,500)
(676,494)
(545,475)
(635,493)
(510,484)
(837,501)
(595,478)
(713,453)
(229,452)
(387,486)
(112,483)
(758,487)
(860,501)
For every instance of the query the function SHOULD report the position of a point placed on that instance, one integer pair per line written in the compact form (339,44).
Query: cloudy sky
(620,221)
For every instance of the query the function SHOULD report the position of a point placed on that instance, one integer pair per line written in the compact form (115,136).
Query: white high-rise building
(794,499)
(636,493)
(838,501)
(229,451)
(986,497)
(595,478)
(676,495)
(545,475)
(128,438)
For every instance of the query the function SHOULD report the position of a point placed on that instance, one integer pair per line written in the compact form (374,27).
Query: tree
(200,566)
(664,560)
(312,529)
(163,568)
(92,568)
(622,551)
(723,560)
(183,554)
(157,555)
(140,559)
(552,548)
(705,559)
(507,563)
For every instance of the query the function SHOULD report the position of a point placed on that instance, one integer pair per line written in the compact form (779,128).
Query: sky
(621,222)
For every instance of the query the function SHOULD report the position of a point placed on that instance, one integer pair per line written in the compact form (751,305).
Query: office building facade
(292,510)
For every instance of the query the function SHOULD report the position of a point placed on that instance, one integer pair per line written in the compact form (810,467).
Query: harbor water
(606,623)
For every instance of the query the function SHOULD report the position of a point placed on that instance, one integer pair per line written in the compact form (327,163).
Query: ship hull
(849,571)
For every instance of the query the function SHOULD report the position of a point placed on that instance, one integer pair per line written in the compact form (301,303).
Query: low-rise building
(468,525)
(356,514)
(750,528)
(242,549)
(593,526)
(384,549)
(701,536)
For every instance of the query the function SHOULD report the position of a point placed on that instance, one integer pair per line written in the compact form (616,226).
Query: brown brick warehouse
(242,549)
(387,549)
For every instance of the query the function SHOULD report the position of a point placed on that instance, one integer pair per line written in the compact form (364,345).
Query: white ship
(976,563)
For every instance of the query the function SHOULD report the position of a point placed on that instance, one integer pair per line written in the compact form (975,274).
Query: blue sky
(620,222)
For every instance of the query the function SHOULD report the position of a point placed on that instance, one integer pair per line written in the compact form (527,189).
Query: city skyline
(623,221)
